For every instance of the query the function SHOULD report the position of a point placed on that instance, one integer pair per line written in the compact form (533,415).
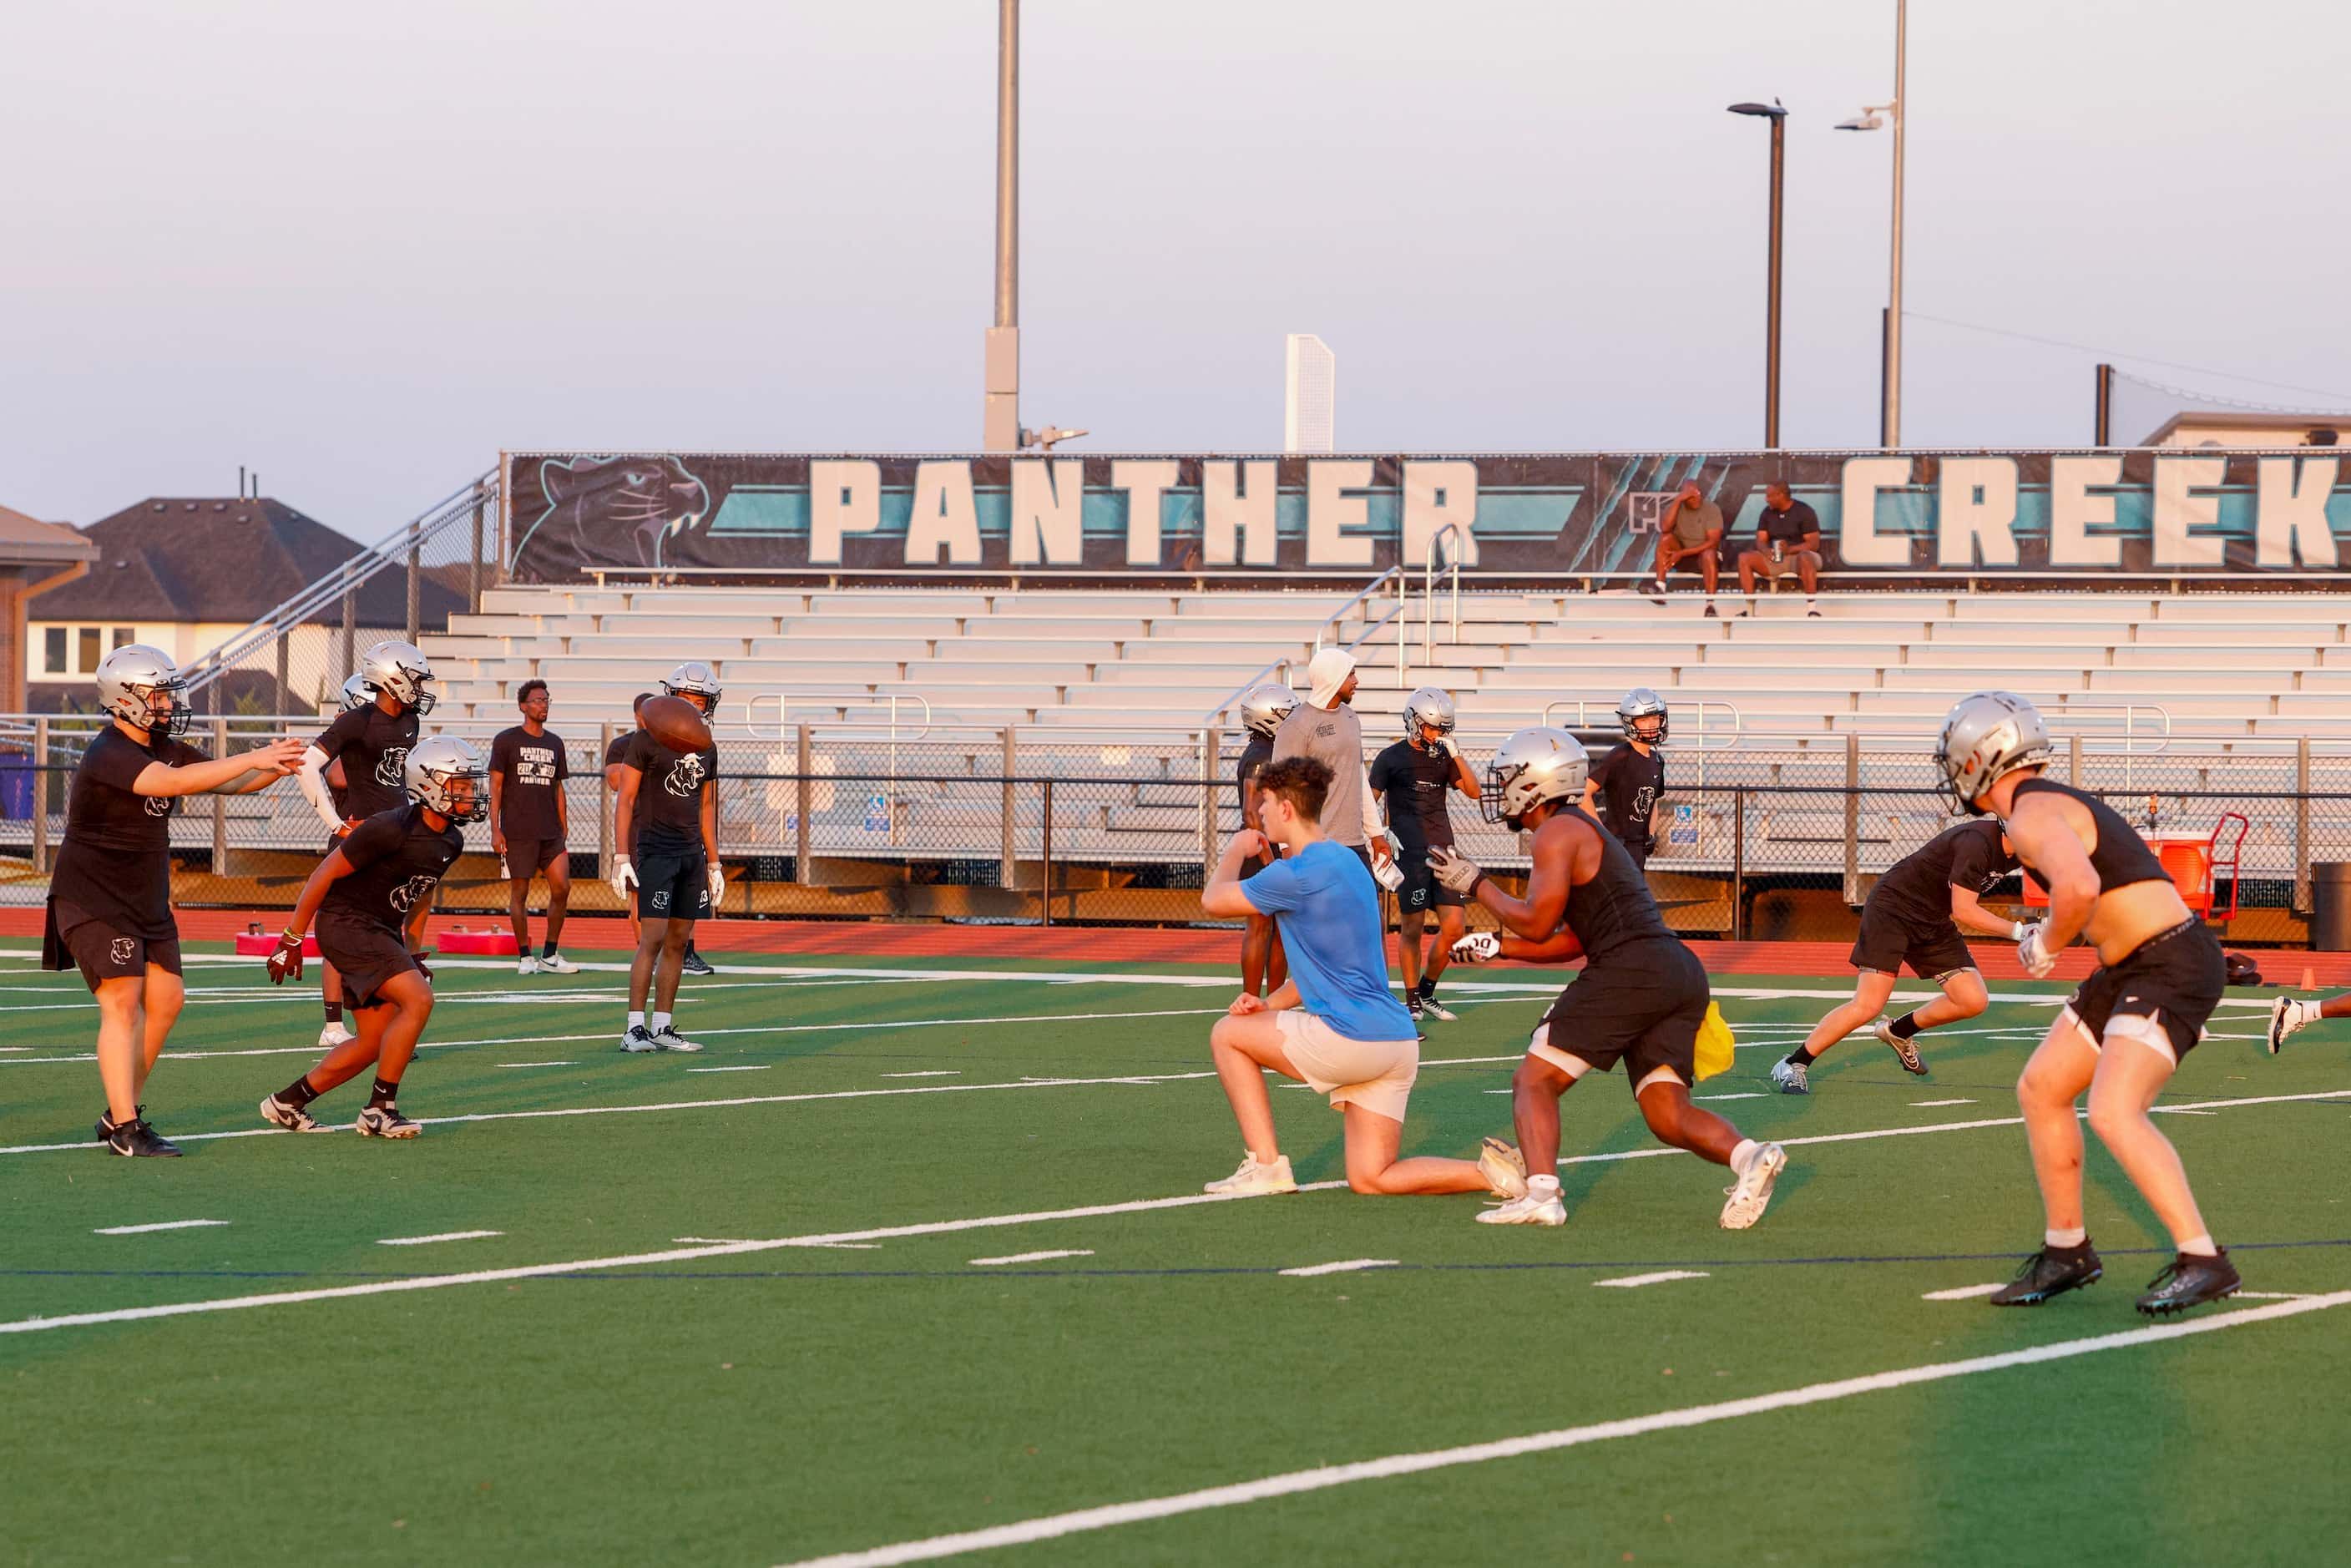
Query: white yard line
(1349,1265)
(164,1225)
(2275,1295)
(1633,1282)
(1025,1258)
(444,1236)
(1054,1526)
(948,1072)
(534,1065)
(1928,1104)
(1962,1292)
(1749,1094)
(762,1067)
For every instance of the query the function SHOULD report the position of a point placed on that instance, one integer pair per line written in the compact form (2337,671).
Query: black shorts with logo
(1888,942)
(673,883)
(2174,978)
(1421,890)
(98,950)
(528,857)
(365,955)
(1640,1004)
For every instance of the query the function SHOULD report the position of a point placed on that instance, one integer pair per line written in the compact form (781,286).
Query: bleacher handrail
(1428,588)
(841,700)
(1583,706)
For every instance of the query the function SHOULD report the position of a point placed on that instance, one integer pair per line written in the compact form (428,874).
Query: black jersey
(1616,908)
(1630,786)
(1919,886)
(116,862)
(1256,757)
(535,767)
(397,859)
(372,747)
(2122,857)
(668,811)
(1415,784)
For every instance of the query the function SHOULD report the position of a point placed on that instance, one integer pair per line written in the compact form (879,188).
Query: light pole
(1778,115)
(1001,419)
(1873,117)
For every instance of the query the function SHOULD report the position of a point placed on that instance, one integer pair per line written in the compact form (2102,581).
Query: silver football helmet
(1986,736)
(698,678)
(1535,765)
(130,679)
(357,693)
(1265,705)
(432,773)
(1430,705)
(402,669)
(1640,703)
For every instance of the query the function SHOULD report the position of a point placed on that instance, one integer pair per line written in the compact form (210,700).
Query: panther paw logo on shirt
(685,776)
(391,768)
(158,805)
(404,897)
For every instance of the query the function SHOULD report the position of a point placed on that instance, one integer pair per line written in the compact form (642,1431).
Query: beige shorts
(1786,565)
(1377,1074)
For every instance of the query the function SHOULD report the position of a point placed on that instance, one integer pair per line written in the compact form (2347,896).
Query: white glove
(2034,951)
(718,883)
(1446,749)
(1387,873)
(624,877)
(1454,872)
(1478,948)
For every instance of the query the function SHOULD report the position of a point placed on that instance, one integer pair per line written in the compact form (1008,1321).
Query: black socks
(334,1012)
(1904,1027)
(299,1093)
(1803,1057)
(381,1096)
(547,950)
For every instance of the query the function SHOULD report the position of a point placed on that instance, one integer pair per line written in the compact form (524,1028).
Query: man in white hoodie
(1326,729)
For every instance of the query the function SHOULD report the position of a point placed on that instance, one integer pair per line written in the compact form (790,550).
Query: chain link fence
(869,821)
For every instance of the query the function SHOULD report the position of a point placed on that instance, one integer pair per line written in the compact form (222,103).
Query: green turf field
(648,1393)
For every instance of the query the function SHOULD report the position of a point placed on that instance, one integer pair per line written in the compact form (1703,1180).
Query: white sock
(636,1021)
(2074,1237)
(661,1023)
(2201,1247)
(1543,1185)
(1744,1152)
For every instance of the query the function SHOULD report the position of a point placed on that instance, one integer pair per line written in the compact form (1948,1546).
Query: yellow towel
(1715,1043)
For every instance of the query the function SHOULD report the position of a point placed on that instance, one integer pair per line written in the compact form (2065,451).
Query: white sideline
(160,1225)
(1053,1526)
(1961,1292)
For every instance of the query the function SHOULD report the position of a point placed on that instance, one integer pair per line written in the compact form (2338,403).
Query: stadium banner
(2080,515)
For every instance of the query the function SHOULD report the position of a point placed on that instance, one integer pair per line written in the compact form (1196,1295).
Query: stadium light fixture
(1777,113)
(1047,437)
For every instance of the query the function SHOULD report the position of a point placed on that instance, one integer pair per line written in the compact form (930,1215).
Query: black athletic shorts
(98,950)
(1888,942)
(365,955)
(1639,852)
(1421,890)
(526,858)
(2174,978)
(673,885)
(1640,1004)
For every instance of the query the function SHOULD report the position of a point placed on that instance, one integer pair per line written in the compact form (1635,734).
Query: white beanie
(1326,673)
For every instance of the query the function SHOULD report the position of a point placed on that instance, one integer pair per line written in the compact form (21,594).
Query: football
(676,723)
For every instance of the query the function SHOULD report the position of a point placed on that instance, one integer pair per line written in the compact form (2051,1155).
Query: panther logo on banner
(391,768)
(121,949)
(685,776)
(405,896)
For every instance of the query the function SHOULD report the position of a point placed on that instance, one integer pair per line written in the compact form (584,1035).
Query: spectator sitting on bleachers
(1787,539)
(1690,538)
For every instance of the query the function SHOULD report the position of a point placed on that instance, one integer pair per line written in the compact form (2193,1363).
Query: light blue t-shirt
(1329,912)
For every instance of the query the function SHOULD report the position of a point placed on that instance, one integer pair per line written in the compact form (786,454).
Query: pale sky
(362,249)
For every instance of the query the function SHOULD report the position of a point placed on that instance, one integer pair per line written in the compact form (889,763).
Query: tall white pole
(1000,421)
(1891,420)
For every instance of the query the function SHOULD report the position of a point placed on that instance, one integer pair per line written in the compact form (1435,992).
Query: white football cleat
(557,964)
(1529,1207)
(526,965)
(1745,1200)
(333,1035)
(1905,1051)
(1253,1179)
(2289,1018)
(1505,1170)
(1790,1077)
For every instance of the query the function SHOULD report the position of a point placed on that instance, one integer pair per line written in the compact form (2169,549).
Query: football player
(1264,707)
(1334,1025)
(2160,975)
(1625,788)
(530,824)
(110,907)
(1913,916)
(371,897)
(2289,1016)
(669,810)
(695,963)
(1639,1000)
(1414,780)
(369,743)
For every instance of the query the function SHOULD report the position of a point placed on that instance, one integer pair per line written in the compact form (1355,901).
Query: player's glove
(1462,876)
(1478,948)
(2033,953)
(624,877)
(285,962)
(1445,748)
(718,883)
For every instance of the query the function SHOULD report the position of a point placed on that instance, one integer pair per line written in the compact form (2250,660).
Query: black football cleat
(2052,1271)
(2189,1281)
(136,1140)
(693,963)
(104,1126)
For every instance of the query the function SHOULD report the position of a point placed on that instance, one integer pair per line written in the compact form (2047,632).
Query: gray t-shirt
(1335,739)
(1692,524)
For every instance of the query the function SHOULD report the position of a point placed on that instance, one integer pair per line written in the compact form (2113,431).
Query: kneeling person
(1640,1000)
(370,896)
(1333,1024)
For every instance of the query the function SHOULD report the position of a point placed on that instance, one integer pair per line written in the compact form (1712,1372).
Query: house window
(123,634)
(89,649)
(53,651)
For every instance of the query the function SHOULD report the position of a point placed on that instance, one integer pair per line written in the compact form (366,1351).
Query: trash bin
(2330,906)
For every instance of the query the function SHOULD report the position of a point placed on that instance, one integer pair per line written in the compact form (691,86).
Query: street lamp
(1778,115)
(1000,416)
(1875,117)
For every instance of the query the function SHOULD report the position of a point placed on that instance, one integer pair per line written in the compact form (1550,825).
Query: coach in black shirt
(1787,539)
